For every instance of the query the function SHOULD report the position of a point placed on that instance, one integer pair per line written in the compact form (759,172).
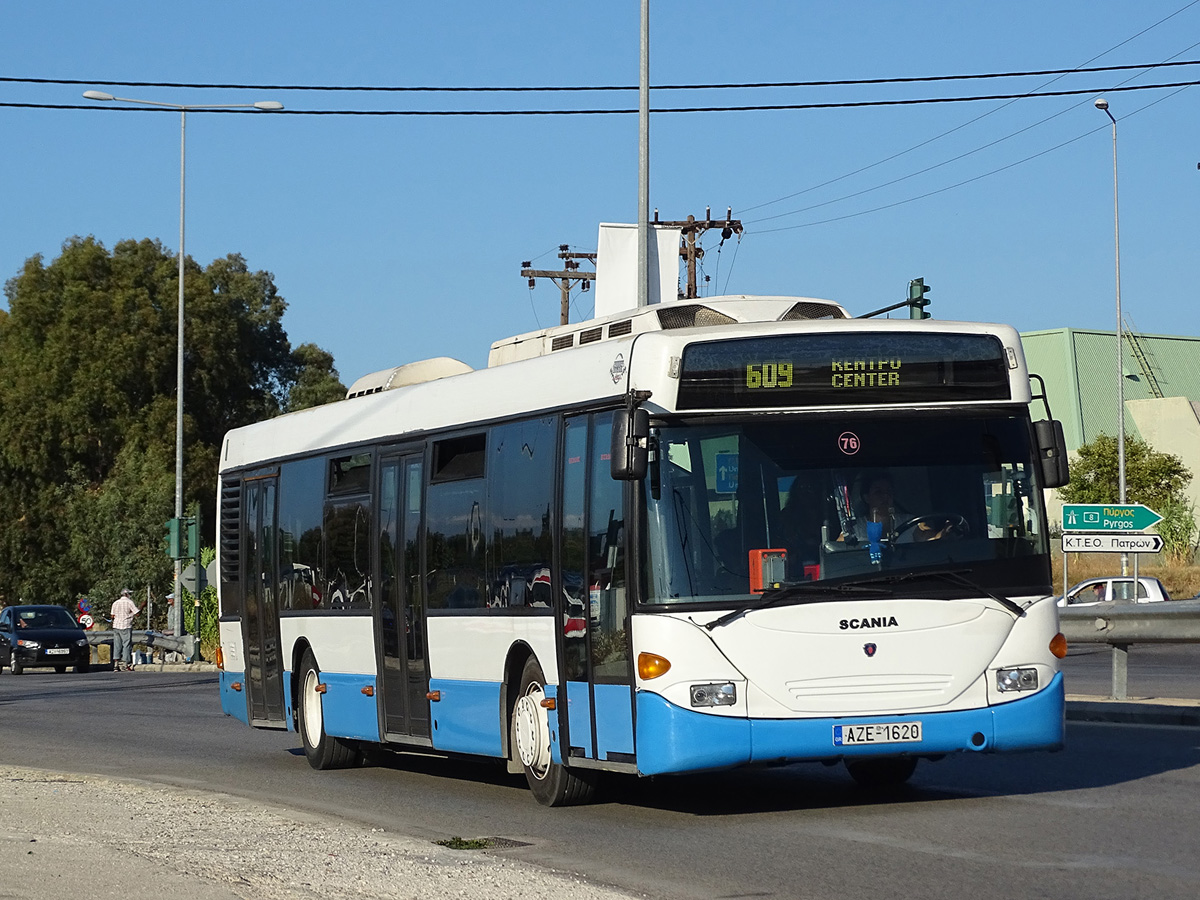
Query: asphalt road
(1115,815)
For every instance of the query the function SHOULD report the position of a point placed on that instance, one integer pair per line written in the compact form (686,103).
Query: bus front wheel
(321,750)
(552,784)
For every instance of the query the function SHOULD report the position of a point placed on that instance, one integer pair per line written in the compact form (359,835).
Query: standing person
(122,613)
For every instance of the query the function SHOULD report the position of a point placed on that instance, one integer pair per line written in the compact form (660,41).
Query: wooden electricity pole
(693,227)
(689,251)
(565,278)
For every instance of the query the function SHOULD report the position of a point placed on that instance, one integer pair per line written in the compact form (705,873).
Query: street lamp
(183,111)
(1102,105)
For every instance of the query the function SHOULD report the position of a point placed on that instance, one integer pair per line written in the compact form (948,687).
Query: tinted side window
(350,474)
(301,495)
(520,495)
(456,536)
(347,578)
(460,457)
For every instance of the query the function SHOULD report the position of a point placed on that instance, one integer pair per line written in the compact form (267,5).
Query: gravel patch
(67,835)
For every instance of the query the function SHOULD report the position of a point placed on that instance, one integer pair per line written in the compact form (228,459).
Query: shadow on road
(1097,756)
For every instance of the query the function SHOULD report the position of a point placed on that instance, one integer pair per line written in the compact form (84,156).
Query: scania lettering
(876,622)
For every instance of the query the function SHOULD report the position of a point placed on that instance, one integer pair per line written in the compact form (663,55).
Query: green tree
(316,381)
(1156,479)
(87,406)
(1152,478)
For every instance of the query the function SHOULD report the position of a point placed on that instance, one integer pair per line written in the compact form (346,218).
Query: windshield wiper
(797,592)
(954,576)
(804,591)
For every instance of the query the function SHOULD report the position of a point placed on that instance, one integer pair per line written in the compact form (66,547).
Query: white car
(1116,587)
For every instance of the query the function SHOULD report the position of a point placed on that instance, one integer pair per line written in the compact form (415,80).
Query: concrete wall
(1172,425)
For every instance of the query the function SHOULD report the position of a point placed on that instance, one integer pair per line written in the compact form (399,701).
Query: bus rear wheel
(321,750)
(886,772)
(551,783)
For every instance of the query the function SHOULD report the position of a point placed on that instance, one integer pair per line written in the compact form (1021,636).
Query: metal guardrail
(184,644)
(1121,624)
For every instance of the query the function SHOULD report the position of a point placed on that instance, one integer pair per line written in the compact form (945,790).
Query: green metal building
(1161,378)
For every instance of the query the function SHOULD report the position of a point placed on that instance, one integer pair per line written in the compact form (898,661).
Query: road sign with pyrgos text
(1108,517)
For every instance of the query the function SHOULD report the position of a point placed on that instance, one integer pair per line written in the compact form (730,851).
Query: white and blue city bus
(643,544)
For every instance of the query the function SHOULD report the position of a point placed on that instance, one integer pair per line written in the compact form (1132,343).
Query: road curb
(1151,711)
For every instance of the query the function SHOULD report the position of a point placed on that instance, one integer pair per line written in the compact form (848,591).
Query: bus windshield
(845,498)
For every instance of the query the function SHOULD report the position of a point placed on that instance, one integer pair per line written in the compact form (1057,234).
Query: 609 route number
(769,375)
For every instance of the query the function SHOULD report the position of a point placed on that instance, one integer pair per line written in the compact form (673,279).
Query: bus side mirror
(1052,452)
(630,444)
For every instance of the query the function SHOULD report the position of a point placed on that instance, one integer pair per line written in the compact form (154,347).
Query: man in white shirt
(122,613)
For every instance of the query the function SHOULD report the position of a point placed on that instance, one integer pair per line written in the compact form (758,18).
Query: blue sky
(399,238)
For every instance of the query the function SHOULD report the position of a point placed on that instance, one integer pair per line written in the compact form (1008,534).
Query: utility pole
(565,278)
(691,228)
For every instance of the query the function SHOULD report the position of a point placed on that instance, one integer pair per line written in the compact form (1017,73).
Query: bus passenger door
(400,618)
(260,622)
(596,673)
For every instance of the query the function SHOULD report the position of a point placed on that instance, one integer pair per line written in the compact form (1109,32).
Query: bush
(1178,531)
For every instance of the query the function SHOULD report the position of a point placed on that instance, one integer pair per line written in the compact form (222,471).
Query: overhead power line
(764,107)
(429,89)
(951,187)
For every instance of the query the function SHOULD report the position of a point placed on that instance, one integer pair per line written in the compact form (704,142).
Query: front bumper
(673,739)
(41,659)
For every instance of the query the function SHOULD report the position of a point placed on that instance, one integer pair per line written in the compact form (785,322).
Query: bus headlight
(1016,680)
(714,694)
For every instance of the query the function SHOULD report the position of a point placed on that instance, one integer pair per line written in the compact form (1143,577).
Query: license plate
(889,733)
(58,651)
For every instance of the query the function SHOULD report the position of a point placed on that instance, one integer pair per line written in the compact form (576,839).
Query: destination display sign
(1108,517)
(1111,543)
(868,368)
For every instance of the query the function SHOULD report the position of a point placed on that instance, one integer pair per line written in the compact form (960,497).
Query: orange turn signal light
(650,665)
(1058,645)
(220,659)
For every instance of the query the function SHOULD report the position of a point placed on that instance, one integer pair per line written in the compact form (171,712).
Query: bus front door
(597,674)
(400,615)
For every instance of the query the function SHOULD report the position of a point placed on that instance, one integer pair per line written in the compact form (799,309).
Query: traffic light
(917,301)
(174,538)
(193,536)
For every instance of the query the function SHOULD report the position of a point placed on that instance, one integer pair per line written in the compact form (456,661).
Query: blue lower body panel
(346,710)
(233,703)
(673,739)
(467,718)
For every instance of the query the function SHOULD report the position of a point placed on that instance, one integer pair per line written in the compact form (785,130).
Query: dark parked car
(42,637)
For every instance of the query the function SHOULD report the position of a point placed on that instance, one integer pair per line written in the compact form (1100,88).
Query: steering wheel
(941,524)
